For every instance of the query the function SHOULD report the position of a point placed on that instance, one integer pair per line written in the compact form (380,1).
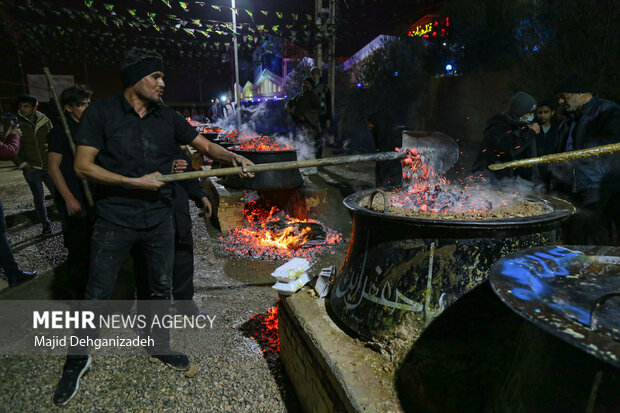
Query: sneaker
(46,231)
(69,383)
(174,359)
(22,277)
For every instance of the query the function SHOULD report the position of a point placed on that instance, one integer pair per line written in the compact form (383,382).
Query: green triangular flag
(279,14)
(218,8)
(184,5)
(167,3)
(264,12)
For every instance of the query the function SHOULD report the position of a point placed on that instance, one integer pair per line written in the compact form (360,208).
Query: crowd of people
(576,119)
(102,162)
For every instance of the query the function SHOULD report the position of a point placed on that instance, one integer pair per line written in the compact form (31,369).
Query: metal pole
(236,86)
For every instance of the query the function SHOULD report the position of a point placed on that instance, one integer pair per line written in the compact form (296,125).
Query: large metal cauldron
(402,272)
(286,179)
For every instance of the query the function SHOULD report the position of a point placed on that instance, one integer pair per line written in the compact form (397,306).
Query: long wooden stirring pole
(278,166)
(558,157)
(65,125)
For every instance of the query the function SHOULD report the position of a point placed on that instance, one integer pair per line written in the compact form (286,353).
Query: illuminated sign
(430,25)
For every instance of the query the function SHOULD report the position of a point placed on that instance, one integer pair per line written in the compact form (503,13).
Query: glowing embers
(268,336)
(426,194)
(261,143)
(272,234)
(212,130)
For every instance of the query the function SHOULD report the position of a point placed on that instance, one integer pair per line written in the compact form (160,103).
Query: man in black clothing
(304,108)
(183,266)
(387,134)
(69,196)
(593,184)
(509,136)
(124,143)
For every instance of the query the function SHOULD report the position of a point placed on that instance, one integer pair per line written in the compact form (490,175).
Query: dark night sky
(359,21)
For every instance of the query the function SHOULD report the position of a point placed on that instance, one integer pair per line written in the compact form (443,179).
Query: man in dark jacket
(32,156)
(8,149)
(77,222)
(509,136)
(305,108)
(387,135)
(594,183)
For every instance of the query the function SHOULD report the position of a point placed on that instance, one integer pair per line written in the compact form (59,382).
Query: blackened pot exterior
(401,272)
(285,179)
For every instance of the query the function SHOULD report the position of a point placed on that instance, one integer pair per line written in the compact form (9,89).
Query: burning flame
(212,130)
(287,239)
(273,234)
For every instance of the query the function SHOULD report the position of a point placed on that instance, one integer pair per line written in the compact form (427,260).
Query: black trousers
(182,267)
(7,261)
(77,233)
(110,245)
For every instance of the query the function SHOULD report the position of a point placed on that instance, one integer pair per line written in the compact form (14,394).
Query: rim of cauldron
(561,210)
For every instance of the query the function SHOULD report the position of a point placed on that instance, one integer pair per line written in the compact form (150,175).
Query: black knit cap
(27,99)
(573,84)
(309,79)
(139,63)
(521,103)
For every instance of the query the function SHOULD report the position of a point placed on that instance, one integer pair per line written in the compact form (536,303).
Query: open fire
(271,234)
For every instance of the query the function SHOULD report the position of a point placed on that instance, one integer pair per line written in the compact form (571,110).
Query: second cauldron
(401,272)
(285,179)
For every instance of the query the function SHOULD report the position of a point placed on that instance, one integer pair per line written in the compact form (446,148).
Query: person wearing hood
(509,136)
(32,156)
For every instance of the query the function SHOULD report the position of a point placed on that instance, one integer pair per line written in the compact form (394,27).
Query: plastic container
(291,270)
(291,286)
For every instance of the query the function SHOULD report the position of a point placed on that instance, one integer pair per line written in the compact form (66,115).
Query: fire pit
(266,150)
(401,271)
(271,234)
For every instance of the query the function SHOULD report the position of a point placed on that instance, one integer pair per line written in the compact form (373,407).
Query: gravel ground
(235,374)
